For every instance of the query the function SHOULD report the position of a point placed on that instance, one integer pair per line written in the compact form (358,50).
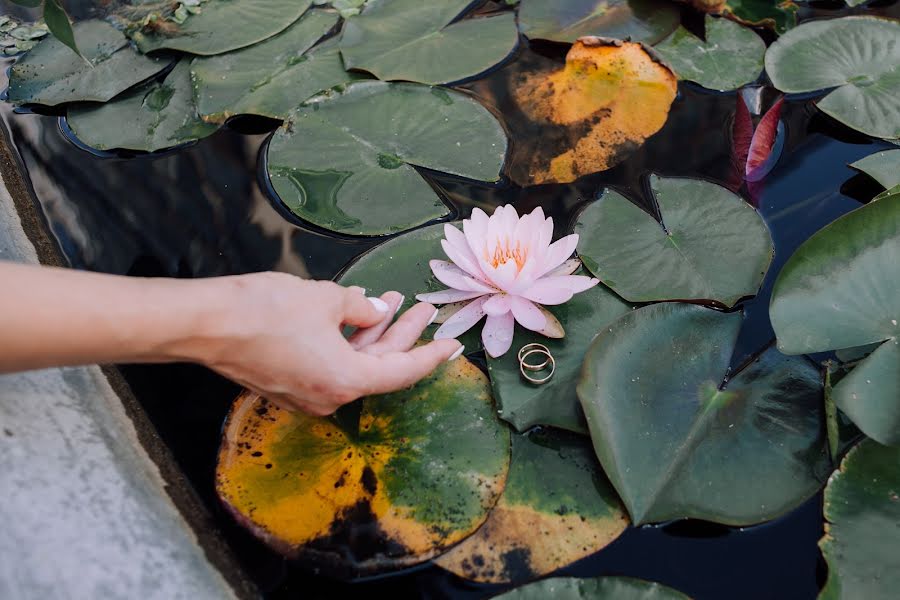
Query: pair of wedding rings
(527,367)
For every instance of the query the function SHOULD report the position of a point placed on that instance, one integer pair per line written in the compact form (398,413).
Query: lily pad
(52,74)
(680,436)
(271,78)
(730,57)
(406,258)
(840,290)
(711,245)
(778,16)
(862,539)
(600,588)
(151,117)
(554,403)
(225,25)
(411,40)
(418,473)
(591,114)
(646,21)
(883,167)
(858,56)
(358,177)
(557,508)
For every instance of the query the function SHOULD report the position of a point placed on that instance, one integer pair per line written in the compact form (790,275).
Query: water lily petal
(559,251)
(462,321)
(497,334)
(567,268)
(527,314)
(448,296)
(454,277)
(463,259)
(496,305)
(556,290)
(475,230)
(503,276)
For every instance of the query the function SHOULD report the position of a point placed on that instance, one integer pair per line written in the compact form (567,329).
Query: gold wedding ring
(524,365)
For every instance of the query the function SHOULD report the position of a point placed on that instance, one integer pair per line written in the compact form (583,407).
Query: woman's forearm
(53,317)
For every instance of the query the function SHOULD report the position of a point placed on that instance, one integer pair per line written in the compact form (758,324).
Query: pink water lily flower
(506,268)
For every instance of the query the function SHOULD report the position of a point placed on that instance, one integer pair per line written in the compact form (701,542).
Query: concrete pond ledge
(86,512)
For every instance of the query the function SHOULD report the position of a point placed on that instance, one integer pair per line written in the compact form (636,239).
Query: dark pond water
(204,211)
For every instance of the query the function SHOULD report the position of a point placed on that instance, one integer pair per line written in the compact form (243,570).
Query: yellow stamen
(504,252)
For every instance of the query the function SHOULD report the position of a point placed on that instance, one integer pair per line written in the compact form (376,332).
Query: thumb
(361,311)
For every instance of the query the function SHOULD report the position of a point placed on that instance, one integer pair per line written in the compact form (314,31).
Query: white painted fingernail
(400,304)
(434,316)
(379,304)
(456,354)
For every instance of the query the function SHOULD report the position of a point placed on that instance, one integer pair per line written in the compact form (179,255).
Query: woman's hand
(281,336)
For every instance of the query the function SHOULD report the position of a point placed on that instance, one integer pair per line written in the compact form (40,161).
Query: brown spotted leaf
(608,98)
(417,473)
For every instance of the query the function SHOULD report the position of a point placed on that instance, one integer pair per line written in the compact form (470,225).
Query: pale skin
(276,334)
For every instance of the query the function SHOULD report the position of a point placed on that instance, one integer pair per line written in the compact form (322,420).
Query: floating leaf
(358,177)
(605,102)
(419,473)
(52,74)
(557,508)
(883,167)
(412,40)
(600,588)
(646,21)
(270,78)
(862,539)
(711,245)
(731,56)
(840,290)
(225,25)
(680,436)
(859,56)
(158,115)
(406,258)
(778,16)
(554,403)
(842,433)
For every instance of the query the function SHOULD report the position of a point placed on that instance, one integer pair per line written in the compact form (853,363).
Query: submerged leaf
(419,41)
(646,21)
(225,25)
(764,150)
(418,472)
(600,588)
(840,290)
(883,167)
(711,245)
(681,437)
(858,56)
(731,56)
(52,74)
(157,115)
(273,77)
(358,177)
(557,508)
(606,101)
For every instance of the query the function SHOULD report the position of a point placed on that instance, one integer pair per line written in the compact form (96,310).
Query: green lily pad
(600,588)
(883,167)
(778,16)
(270,78)
(731,56)
(646,21)
(151,117)
(711,245)
(681,437)
(840,290)
(225,25)
(357,177)
(557,508)
(859,56)
(555,403)
(842,433)
(418,473)
(862,539)
(411,40)
(52,74)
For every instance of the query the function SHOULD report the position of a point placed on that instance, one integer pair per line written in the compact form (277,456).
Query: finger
(356,288)
(397,370)
(406,331)
(366,336)
(362,311)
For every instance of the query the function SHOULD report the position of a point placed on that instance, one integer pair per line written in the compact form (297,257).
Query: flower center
(504,252)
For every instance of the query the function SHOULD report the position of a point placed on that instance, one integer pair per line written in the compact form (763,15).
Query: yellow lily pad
(608,98)
(418,472)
